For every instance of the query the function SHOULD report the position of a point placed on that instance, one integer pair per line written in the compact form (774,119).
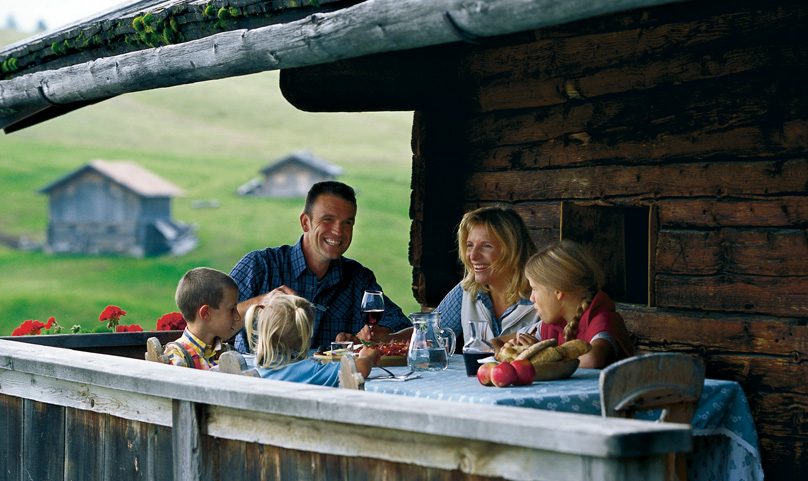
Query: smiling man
(316,269)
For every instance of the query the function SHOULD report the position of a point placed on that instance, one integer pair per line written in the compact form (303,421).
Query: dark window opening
(619,238)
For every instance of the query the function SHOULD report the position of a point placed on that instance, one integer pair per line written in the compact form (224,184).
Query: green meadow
(208,139)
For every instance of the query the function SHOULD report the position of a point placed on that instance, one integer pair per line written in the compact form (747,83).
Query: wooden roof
(150,44)
(126,174)
(305,158)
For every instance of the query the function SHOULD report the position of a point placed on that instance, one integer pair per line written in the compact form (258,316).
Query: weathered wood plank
(787,212)
(690,113)
(43,432)
(84,448)
(776,296)
(125,449)
(579,148)
(719,179)
(753,252)
(11,442)
(130,404)
(161,459)
(646,51)
(474,457)
(186,432)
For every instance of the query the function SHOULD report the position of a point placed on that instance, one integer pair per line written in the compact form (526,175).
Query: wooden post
(186,435)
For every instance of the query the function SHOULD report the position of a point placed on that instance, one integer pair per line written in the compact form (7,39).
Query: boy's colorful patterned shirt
(204,356)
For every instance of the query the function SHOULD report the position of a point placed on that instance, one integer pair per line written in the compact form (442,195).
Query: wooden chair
(668,381)
(232,362)
(349,376)
(154,351)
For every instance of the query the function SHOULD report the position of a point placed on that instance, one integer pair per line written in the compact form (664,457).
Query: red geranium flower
(112,314)
(173,321)
(132,328)
(29,327)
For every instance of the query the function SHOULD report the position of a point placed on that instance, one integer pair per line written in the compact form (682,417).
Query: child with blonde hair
(279,335)
(566,285)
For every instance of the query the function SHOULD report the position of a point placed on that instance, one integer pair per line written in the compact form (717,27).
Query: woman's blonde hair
(566,266)
(279,332)
(509,230)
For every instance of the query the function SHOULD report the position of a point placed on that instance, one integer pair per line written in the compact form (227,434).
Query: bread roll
(509,353)
(534,349)
(551,354)
(574,349)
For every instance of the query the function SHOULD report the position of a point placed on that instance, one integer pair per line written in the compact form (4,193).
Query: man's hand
(379,334)
(278,290)
(344,336)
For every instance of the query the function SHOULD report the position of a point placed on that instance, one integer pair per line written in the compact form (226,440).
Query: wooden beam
(417,79)
(367,28)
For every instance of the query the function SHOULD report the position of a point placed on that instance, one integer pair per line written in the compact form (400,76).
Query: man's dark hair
(332,187)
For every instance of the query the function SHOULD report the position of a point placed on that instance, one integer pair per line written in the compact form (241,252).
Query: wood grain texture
(781,252)
(11,442)
(776,296)
(653,181)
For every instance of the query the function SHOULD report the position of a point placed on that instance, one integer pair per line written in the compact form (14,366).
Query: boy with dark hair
(208,300)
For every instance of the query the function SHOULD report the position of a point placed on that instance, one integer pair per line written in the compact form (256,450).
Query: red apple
(484,373)
(525,372)
(503,374)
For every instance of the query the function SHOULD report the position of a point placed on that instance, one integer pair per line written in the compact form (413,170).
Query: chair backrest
(232,362)
(669,381)
(154,351)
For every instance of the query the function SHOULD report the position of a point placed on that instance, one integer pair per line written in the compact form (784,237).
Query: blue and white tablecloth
(725,446)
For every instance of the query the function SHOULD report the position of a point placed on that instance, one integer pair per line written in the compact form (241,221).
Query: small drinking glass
(341,348)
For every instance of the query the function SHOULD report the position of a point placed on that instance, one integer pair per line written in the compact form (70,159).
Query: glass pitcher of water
(430,346)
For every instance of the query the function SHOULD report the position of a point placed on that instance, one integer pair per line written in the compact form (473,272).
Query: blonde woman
(279,335)
(566,292)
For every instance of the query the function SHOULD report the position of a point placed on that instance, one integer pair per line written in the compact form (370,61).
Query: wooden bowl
(550,371)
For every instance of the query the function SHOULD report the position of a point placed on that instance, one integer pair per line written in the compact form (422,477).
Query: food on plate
(390,348)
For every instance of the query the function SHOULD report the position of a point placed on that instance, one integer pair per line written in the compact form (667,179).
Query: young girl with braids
(279,334)
(566,293)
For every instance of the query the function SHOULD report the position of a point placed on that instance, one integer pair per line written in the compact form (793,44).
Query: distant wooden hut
(114,208)
(291,176)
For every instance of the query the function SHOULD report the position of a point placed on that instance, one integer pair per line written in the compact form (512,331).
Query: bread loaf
(574,349)
(534,349)
(551,354)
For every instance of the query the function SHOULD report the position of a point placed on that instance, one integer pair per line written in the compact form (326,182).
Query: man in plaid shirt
(316,269)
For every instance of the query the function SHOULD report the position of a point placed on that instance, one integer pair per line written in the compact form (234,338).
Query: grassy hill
(207,138)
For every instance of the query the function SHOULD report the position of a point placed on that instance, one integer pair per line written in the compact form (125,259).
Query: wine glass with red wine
(372,309)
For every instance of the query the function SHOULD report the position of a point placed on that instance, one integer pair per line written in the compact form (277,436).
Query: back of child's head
(565,266)
(201,286)
(280,331)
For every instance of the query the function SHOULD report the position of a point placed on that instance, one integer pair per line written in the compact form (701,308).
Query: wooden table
(726,444)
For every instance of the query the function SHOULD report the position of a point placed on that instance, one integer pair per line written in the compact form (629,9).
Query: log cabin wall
(697,113)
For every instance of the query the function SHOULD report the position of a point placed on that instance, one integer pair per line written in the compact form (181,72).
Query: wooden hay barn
(114,208)
(291,176)
(670,136)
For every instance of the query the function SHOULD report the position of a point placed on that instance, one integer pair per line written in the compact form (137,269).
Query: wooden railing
(68,414)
